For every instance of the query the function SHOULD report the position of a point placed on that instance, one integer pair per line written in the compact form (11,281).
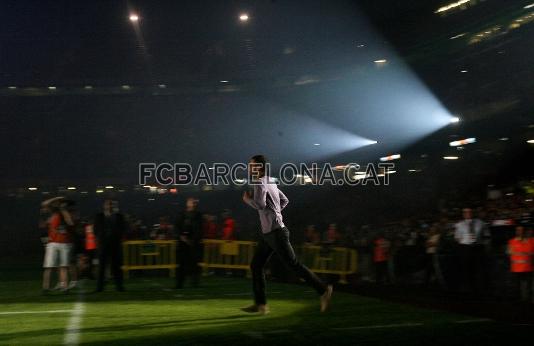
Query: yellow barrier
(149,254)
(161,254)
(227,254)
(330,260)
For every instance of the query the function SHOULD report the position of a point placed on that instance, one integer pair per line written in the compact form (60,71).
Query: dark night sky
(185,44)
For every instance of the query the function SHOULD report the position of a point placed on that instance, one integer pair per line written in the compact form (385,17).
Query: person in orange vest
(90,249)
(521,250)
(381,257)
(228,227)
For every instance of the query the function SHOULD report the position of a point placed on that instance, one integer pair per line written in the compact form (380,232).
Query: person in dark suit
(188,228)
(109,228)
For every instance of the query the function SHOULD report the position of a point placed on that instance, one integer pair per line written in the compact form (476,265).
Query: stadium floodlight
(454,120)
(529,6)
(243,17)
(451,6)
(458,36)
(32,188)
(134,18)
(110,187)
(530,141)
(390,157)
(462,142)
(450,157)
(71,188)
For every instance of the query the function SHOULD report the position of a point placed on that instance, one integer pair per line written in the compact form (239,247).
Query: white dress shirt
(463,234)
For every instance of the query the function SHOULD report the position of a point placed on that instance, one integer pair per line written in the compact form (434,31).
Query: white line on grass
(379,326)
(33,312)
(72,332)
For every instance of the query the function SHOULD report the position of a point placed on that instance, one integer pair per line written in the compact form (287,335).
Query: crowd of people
(73,245)
(486,250)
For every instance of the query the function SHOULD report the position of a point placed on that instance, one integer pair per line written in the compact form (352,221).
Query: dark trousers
(88,272)
(472,259)
(187,256)
(277,241)
(523,285)
(381,272)
(109,253)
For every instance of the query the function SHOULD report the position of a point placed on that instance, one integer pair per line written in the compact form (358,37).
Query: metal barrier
(149,254)
(161,254)
(227,254)
(330,260)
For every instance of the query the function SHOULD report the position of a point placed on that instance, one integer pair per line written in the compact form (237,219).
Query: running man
(269,201)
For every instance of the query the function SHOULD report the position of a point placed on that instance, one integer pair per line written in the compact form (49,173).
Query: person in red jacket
(228,226)
(90,249)
(380,258)
(521,250)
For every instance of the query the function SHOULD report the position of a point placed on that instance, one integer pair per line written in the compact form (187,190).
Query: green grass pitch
(150,312)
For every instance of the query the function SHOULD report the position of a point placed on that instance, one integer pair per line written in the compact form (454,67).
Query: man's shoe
(326,298)
(260,309)
(263,310)
(250,309)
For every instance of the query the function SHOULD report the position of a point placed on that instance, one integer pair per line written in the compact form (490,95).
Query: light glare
(390,157)
(462,142)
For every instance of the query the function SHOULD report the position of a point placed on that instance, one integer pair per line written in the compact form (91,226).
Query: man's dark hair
(262,160)
(259,159)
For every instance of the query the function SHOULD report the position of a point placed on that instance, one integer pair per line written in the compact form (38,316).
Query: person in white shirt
(469,231)
(269,201)
(471,234)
